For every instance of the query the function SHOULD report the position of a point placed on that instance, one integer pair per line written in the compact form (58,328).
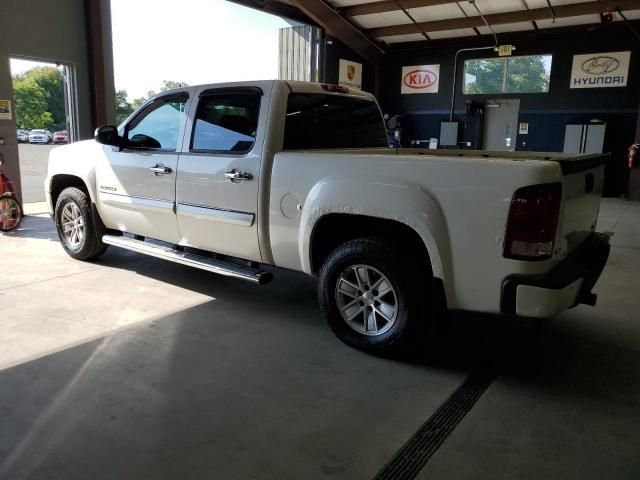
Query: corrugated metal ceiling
(442,11)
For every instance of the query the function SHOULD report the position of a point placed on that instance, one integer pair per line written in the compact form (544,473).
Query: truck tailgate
(583,179)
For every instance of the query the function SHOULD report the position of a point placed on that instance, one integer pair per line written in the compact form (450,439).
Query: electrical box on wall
(449,134)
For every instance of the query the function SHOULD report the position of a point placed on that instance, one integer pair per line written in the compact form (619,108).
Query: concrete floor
(133,368)
(33,159)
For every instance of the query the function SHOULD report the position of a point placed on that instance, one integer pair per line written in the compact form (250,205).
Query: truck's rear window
(316,121)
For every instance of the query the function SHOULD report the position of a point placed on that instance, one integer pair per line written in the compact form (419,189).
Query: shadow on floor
(38,227)
(249,387)
(252,384)
(468,341)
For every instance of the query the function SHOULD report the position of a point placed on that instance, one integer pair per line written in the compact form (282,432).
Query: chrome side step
(222,267)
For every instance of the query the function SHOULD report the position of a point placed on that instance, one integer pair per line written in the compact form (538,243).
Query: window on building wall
(523,74)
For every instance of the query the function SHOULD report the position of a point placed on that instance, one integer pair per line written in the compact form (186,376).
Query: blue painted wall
(546,113)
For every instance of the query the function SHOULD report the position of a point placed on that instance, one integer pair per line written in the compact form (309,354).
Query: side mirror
(108,135)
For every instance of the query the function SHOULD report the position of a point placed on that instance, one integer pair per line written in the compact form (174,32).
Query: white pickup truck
(232,177)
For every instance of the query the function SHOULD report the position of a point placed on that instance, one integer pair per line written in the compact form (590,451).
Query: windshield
(38,131)
(317,121)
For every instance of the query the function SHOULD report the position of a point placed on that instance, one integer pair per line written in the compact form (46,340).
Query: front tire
(375,299)
(75,225)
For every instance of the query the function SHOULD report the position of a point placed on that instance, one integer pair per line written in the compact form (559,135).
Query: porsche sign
(600,70)
(420,79)
(350,74)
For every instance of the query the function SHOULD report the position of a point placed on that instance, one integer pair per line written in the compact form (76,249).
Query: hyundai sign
(420,79)
(600,70)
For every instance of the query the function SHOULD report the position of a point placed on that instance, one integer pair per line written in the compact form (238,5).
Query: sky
(192,41)
(20,66)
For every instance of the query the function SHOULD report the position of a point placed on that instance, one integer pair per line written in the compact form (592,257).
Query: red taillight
(533,220)
(335,88)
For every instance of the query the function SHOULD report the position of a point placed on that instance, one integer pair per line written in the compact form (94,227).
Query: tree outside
(484,76)
(527,74)
(31,106)
(124,107)
(39,97)
(524,74)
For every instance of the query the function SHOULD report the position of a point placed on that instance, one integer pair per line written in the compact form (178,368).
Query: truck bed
(569,163)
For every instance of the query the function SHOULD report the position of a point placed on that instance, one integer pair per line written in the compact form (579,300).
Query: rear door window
(226,123)
(318,121)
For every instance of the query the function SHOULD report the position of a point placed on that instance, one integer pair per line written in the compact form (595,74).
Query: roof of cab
(311,87)
(294,86)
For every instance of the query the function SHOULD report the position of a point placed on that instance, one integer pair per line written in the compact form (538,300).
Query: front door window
(157,125)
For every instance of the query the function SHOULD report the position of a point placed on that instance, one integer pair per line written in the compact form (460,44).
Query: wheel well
(60,182)
(335,229)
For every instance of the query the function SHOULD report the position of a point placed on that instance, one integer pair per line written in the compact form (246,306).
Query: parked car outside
(61,137)
(40,136)
(22,135)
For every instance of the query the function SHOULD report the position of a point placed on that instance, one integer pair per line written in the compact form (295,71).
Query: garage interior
(133,368)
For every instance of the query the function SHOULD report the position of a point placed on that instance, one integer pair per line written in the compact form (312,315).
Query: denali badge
(111,189)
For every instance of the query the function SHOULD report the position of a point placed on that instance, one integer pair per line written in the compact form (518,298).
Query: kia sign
(600,70)
(420,79)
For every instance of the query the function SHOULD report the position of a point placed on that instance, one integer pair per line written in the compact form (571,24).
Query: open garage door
(46,116)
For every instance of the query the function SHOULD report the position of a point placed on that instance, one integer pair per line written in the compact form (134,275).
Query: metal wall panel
(299,53)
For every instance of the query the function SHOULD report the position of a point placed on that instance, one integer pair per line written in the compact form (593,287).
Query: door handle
(236,175)
(160,169)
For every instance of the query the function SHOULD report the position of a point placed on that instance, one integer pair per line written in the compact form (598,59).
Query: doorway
(500,124)
(46,116)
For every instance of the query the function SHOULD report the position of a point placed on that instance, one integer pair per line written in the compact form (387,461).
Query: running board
(222,267)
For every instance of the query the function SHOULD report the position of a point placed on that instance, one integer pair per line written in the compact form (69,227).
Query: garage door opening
(45,106)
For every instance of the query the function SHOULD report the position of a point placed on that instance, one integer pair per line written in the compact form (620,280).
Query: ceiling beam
(559,33)
(389,6)
(561,11)
(340,28)
(279,9)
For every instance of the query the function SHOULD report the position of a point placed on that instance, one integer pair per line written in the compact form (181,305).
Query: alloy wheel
(73,227)
(366,300)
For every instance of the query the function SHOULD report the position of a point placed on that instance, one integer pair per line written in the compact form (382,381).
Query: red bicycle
(10,208)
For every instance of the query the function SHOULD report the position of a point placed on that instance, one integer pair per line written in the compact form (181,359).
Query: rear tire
(375,299)
(75,225)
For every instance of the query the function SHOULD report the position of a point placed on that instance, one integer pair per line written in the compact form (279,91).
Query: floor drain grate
(415,454)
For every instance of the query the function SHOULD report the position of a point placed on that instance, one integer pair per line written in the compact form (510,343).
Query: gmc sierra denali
(232,177)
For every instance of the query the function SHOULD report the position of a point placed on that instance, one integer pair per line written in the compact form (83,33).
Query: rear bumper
(567,285)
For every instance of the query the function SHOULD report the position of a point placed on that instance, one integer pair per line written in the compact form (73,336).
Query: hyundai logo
(600,65)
